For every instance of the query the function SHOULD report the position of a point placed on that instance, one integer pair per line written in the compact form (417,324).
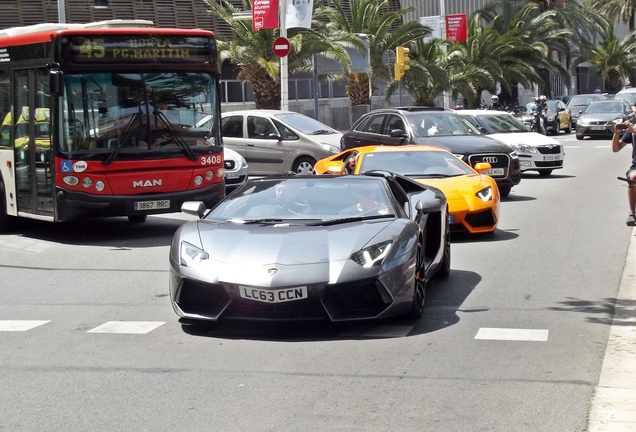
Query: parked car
(536,151)
(440,127)
(236,169)
(473,197)
(338,248)
(274,141)
(599,118)
(578,103)
(628,95)
(557,117)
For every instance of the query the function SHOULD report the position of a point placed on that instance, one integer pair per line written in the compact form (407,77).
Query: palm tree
(252,51)
(611,58)
(385,32)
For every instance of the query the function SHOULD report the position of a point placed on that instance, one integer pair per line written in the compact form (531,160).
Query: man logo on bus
(146,183)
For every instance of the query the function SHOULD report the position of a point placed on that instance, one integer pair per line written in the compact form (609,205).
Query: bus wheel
(137,218)
(6,221)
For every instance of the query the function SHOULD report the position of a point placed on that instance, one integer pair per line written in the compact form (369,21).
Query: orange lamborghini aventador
(473,198)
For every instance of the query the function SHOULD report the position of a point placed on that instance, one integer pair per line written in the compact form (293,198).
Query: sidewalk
(614,404)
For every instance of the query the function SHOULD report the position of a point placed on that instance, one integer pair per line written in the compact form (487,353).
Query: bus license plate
(494,171)
(152,205)
(273,296)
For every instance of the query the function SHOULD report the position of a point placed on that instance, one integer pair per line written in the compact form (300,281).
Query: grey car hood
(236,243)
(603,117)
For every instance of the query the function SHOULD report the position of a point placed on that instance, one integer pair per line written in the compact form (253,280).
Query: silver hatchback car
(274,141)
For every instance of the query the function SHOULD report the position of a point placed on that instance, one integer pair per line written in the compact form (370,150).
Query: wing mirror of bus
(56,82)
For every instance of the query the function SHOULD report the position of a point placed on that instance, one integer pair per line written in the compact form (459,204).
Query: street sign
(281,47)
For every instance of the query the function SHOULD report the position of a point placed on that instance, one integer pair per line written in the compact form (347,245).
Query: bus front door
(32,143)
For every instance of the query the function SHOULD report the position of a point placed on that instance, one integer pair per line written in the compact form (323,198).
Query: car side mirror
(194,208)
(581,112)
(480,167)
(397,133)
(430,206)
(483,130)
(335,168)
(274,135)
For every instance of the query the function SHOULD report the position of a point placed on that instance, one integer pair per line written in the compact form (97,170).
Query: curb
(614,402)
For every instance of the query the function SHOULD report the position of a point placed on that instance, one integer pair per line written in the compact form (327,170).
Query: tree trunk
(358,90)
(266,89)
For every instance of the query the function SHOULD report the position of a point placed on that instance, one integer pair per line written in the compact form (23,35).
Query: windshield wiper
(174,136)
(349,219)
(322,132)
(126,134)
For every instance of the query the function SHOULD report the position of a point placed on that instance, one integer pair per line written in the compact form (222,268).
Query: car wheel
(545,173)
(419,289)
(504,191)
(137,218)
(579,137)
(557,127)
(304,166)
(445,267)
(6,221)
(569,128)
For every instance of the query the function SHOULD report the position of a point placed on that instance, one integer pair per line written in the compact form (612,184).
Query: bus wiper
(126,135)
(174,136)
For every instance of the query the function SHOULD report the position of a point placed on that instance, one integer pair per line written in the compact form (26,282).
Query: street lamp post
(61,11)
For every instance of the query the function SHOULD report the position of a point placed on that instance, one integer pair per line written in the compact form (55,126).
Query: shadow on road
(498,235)
(444,298)
(602,311)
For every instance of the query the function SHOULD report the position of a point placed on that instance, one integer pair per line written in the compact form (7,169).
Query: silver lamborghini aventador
(289,247)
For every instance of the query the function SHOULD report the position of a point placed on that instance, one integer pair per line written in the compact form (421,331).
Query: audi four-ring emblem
(490,159)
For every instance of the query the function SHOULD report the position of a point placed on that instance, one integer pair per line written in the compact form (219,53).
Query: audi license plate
(273,296)
(152,205)
(494,172)
(598,128)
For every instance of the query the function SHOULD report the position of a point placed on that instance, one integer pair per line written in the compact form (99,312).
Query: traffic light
(401,60)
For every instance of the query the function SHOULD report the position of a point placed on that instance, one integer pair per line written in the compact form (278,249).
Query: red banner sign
(456,28)
(264,14)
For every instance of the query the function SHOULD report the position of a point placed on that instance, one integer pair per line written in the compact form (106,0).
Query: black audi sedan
(439,127)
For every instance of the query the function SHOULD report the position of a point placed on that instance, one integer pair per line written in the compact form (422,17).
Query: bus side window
(5,111)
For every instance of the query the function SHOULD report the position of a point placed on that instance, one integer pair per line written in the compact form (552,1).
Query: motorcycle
(535,123)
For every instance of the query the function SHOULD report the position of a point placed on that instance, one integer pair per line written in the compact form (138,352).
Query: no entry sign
(281,47)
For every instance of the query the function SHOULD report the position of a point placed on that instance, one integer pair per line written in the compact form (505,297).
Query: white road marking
(26,245)
(127,327)
(534,335)
(20,325)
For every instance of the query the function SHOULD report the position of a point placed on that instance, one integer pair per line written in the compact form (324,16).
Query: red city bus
(107,119)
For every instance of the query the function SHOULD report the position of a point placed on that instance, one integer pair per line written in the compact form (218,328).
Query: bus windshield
(132,114)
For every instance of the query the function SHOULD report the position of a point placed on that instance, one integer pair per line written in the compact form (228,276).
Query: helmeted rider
(540,108)
(495,104)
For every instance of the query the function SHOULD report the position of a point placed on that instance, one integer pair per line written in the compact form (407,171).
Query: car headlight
(329,148)
(551,118)
(192,255)
(372,255)
(524,148)
(583,122)
(514,155)
(485,194)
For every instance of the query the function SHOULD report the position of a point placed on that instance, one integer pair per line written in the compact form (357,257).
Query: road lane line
(20,325)
(510,334)
(127,327)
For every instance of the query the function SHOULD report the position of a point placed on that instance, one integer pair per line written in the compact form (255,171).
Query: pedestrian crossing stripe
(20,325)
(127,327)
(511,334)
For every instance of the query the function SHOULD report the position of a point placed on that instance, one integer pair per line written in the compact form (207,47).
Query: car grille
(599,123)
(306,309)
(496,160)
(361,299)
(229,165)
(552,149)
(202,299)
(481,219)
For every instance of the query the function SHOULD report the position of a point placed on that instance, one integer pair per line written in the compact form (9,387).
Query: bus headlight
(70,180)
(87,182)
(209,175)
(198,180)
(220,173)
(99,185)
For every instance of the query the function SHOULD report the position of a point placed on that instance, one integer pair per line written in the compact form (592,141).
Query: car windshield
(582,100)
(415,163)
(305,124)
(604,107)
(506,123)
(305,199)
(629,97)
(440,124)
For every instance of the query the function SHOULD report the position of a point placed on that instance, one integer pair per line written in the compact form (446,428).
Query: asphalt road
(512,341)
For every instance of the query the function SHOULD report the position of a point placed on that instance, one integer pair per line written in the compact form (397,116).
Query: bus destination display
(139,48)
